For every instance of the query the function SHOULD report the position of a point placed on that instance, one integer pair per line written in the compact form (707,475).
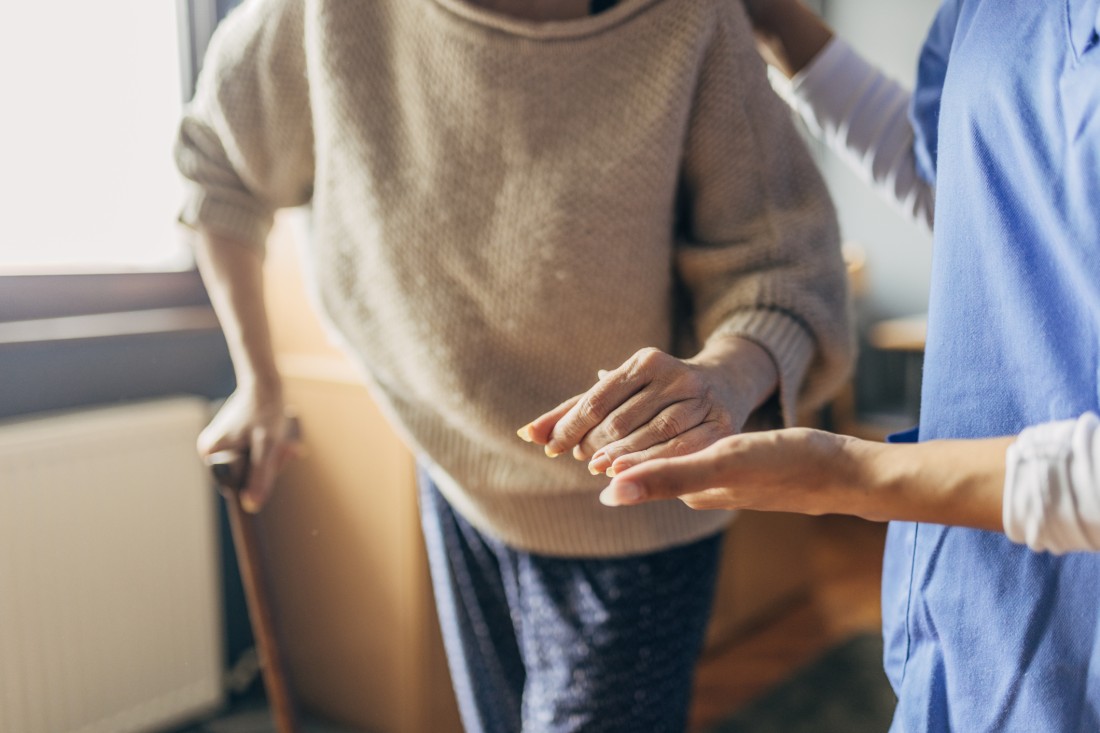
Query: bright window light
(91,101)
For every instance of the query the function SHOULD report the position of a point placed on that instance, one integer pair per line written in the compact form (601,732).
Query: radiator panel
(109,599)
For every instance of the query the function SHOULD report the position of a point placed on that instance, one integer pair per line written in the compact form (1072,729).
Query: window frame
(74,339)
(27,296)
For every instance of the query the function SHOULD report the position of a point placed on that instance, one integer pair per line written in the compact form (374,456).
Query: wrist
(750,366)
(952,482)
(263,387)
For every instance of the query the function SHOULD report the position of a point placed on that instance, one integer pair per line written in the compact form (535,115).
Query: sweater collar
(551,30)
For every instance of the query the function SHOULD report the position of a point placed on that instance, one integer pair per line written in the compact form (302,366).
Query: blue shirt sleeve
(924,111)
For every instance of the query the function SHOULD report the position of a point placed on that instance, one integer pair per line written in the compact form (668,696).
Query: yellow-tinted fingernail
(525,433)
(552,452)
(610,472)
(599,463)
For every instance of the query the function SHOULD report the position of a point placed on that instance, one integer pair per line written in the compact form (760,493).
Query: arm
(815,472)
(253,417)
(757,254)
(861,114)
(1042,488)
(245,147)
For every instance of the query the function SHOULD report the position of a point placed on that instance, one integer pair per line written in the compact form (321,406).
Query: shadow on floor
(844,691)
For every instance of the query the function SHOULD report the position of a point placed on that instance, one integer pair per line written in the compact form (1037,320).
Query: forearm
(233,275)
(863,116)
(951,482)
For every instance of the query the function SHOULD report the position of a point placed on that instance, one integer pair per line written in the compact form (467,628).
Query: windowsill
(108,325)
(36,297)
(69,341)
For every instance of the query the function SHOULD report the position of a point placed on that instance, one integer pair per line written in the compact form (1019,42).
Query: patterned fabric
(560,645)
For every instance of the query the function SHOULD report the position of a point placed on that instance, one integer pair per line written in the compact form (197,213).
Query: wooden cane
(230,469)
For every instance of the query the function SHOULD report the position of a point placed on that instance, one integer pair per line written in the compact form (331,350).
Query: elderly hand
(656,406)
(257,423)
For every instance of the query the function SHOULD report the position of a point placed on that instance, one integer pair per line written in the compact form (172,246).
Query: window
(94,98)
(99,299)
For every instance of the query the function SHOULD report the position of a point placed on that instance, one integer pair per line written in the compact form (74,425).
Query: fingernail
(618,494)
(525,433)
(599,463)
(578,453)
(610,471)
(552,452)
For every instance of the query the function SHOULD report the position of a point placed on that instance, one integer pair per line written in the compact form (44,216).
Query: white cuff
(1052,486)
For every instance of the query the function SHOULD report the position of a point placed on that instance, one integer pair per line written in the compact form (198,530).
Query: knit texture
(502,207)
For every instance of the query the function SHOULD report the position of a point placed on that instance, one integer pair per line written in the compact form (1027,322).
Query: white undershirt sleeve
(863,115)
(1052,486)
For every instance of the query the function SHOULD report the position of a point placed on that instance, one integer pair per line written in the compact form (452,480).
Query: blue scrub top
(982,634)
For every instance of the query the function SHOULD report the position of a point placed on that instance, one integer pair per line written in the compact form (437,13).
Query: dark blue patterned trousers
(542,644)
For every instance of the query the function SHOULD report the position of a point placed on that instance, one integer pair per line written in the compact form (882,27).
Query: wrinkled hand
(794,470)
(658,406)
(259,424)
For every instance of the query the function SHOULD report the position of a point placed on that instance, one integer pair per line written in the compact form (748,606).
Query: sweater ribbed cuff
(239,221)
(787,342)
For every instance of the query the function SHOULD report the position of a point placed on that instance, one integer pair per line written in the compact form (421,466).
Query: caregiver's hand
(794,470)
(952,482)
(656,405)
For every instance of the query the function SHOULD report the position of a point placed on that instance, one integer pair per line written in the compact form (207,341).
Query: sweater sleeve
(245,144)
(863,116)
(759,247)
(1052,486)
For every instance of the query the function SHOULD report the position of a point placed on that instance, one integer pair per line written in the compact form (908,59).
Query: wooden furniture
(900,334)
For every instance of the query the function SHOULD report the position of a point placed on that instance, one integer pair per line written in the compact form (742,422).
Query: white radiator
(110,613)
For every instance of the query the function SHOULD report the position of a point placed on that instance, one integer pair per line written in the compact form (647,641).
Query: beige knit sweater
(502,207)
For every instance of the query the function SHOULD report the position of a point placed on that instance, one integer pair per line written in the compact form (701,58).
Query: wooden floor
(846,561)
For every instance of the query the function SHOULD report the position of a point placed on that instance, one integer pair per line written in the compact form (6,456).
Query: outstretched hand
(794,470)
(950,482)
(658,406)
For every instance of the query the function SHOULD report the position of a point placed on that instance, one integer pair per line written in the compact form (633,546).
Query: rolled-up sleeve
(245,143)
(1052,486)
